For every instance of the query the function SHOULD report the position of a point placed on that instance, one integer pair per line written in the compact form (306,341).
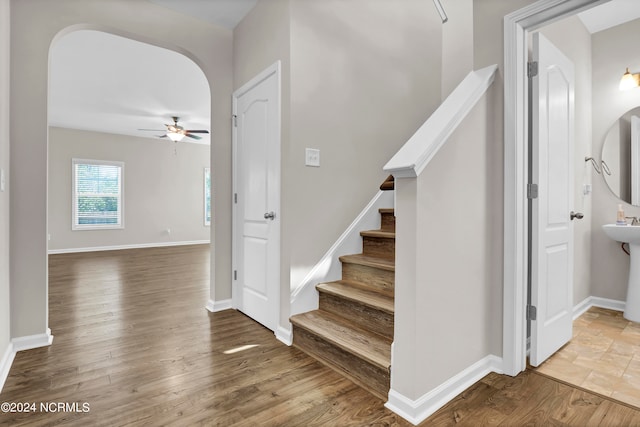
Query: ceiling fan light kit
(176,133)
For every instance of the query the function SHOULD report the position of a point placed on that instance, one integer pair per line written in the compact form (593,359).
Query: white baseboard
(285,335)
(121,247)
(5,364)
(589,302)
(215,306)
(416,411)
(20,344)
(304,296)
(32,341)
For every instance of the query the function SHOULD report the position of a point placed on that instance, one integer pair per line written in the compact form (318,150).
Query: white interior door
(552,227)
(256,236)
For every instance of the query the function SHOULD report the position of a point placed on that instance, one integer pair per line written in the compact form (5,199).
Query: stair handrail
(418,151)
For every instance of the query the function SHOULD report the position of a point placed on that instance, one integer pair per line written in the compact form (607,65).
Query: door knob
(270,215)
(575,215)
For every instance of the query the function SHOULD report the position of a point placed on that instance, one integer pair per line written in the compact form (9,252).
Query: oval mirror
(621,157)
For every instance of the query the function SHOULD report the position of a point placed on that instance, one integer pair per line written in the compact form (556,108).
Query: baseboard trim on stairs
(592,301)
(5,364)
(305,297)
(32,341)
(416,411)
(215,306)
(285,335)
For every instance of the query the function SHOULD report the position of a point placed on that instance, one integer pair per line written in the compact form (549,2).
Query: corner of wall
(5,364)
(6,347)
(416,411)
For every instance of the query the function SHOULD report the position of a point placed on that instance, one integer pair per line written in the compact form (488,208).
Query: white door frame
(273,69)
(516,27)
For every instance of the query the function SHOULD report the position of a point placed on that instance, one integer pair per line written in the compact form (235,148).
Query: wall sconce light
(629,80)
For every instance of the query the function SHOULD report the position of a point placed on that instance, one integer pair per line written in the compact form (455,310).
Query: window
(97,194)
(207,196)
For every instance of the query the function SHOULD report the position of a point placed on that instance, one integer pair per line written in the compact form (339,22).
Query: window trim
(74,197)
(204,192)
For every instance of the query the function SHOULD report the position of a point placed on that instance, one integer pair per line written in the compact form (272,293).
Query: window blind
(97,194)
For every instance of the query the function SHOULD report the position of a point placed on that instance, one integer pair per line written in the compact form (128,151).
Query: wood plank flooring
(134,341)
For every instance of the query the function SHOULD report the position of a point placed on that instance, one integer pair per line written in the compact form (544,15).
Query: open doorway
(593,287)
(129,147)
(112,99)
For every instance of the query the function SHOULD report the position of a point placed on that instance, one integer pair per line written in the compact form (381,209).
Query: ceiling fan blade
(192,136)
(153,130)
(197,131)
(161,136)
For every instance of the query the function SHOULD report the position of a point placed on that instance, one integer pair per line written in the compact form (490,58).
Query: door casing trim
(275,68)
(516,27)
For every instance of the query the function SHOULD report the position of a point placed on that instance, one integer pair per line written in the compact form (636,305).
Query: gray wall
(35,25)
(261,39)
(163,189)
(363,76)
(457,44)
(448,302)
(613,50)
(572,38)
(5,314)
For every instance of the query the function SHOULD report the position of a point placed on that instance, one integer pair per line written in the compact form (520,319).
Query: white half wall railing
(418,151)
(414,396)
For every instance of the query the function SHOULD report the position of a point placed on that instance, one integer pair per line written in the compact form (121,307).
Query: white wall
(34,26)
(261,39)
(449,268)
(5,313)
(572,38)
(457,44)
(163,189)
(363,76)
(613,50)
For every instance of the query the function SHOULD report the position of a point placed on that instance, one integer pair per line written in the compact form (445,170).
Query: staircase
(352,330)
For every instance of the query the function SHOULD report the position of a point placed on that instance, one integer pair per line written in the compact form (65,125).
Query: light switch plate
(312,157)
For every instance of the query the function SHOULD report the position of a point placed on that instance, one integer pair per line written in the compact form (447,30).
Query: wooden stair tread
(388,184)
(387,210)
(384,264)
(370,347)
(379,233)
(360,293)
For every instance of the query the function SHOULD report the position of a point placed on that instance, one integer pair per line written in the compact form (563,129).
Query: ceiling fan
(176,133)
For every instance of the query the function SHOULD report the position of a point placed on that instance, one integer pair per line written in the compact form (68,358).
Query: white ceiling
(611,14)
(106,83)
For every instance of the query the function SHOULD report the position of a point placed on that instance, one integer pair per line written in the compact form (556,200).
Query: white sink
(623,233)
(629,234)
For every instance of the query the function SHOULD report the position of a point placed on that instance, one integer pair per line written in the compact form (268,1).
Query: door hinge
(235,120)
(532,312)
(532,69)
(235,274)
(235,198)
(532,191)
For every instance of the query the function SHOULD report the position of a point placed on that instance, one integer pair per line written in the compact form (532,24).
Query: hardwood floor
(134,341)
